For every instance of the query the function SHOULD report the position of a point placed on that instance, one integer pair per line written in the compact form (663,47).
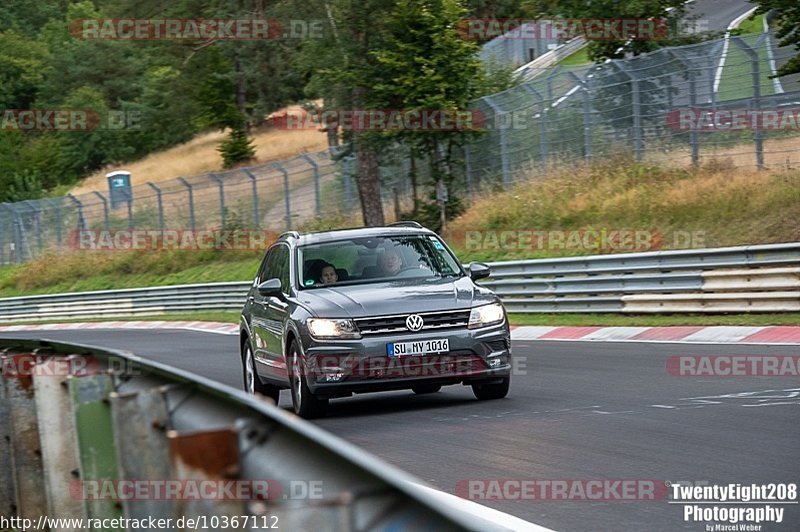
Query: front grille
(449,319)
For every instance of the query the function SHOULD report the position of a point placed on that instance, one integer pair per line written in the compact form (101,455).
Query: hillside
(715,205)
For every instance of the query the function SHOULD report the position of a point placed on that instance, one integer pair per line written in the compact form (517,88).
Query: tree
(789,30)
(426,65)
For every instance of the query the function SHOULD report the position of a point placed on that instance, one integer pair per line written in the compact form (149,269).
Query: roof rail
(407,223)
(289,233)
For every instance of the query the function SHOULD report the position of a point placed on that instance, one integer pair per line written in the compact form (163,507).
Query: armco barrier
(736,279)
(73,418)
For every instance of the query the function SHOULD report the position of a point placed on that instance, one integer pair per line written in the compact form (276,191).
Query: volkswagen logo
(414,322)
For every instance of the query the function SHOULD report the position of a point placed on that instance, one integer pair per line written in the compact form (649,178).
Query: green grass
(579,58)
(737,77)
(752,24)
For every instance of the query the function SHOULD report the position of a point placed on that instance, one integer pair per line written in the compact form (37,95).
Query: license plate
(419,347)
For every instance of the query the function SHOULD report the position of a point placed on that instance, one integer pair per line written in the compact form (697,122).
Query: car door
(259,324)
(275,312)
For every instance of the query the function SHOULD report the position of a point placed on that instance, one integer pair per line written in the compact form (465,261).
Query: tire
(486,392)
(306,404)
(251,380)
(423,389)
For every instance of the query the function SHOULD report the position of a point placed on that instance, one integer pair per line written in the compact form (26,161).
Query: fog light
(334,377)
(495,362)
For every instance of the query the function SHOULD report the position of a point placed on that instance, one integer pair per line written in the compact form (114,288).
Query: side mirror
(479,270)
(271,288)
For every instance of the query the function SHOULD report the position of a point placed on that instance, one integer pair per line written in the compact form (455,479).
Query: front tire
(306,404)
(486,392)
(252,382)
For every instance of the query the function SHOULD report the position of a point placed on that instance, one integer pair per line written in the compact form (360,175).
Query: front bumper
(342,367)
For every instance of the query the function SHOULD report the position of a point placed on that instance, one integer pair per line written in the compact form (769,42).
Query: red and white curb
(774,335)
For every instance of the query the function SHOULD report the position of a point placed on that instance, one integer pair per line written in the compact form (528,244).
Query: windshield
(375,259)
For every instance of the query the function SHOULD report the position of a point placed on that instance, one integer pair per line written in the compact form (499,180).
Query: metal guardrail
(82,427)
(762,278)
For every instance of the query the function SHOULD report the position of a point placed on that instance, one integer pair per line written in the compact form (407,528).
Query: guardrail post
(287,204)
(159,204)
(636,108)
(27,470)
(254,185)
(500,118)
(756,104)
(317,198)
(218,180)
(543,150)
(58,435)
(105,209)
(95,432)
(191,201)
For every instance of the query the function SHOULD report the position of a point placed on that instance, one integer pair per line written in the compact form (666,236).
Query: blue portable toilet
(119,188)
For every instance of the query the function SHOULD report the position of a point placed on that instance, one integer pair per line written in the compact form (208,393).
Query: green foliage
(788,31)
(237,148)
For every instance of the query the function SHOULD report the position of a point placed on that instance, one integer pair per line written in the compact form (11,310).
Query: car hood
(395,297)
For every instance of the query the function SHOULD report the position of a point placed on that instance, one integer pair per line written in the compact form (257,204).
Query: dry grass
(723,204)
(200,155)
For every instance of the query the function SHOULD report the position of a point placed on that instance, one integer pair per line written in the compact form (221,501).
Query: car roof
(363,232)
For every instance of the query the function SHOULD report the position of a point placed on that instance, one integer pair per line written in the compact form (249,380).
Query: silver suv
(334,313)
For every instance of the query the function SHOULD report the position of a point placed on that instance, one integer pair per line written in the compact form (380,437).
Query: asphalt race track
(577,410)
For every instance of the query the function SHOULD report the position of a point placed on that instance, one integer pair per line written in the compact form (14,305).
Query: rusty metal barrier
(96,434)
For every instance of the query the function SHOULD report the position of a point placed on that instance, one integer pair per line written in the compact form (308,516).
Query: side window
(280,267)
(265,266)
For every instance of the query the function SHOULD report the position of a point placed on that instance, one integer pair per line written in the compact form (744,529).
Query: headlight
(486,315)
(324,328)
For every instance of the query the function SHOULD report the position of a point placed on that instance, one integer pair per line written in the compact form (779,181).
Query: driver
(390,262)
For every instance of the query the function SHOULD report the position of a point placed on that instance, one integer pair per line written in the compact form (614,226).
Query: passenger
(328,274)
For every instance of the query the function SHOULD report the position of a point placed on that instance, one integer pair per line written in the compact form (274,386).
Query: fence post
(756,73)
(348,167)
(317,199)
(37,220)
(504,165)
(159,204)
(468,169)
(636,108)
(191,201)
(254,185)
(81,218)
(57,205)
(105,209)
(287,203)
(17,234)
(543,144)
(218,180)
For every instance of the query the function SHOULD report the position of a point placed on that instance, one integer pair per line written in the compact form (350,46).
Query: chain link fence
(275,196)
(647,106)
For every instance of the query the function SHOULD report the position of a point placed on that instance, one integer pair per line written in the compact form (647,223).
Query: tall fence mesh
(647,106)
